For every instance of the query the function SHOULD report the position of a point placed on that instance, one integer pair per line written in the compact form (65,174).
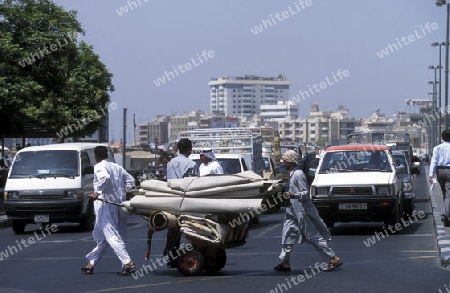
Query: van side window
(244,165)
(84,160)
(110,156)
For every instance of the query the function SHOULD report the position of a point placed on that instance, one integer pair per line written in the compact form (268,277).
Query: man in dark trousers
(440,166)
(179,167)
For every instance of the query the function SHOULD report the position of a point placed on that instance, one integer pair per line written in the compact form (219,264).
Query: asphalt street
(404,259)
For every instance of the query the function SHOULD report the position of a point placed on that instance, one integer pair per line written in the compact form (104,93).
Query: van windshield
(41,164)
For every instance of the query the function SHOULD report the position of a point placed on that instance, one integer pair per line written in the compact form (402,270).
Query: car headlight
(74,194)
(14,195)
(322,190)
(319,191)
(388,190)
(407,186)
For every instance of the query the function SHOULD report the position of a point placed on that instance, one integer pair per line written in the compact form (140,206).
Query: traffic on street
(376,258)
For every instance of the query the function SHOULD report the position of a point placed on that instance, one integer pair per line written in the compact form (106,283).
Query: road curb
(443,240)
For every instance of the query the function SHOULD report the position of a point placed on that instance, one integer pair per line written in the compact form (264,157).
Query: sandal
(88,270)
(334,263)
(128,268)
(281,268)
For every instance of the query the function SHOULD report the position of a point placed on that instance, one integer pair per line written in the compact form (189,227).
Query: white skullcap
(209,154)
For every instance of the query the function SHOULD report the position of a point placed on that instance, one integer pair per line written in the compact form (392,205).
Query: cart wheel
(191,263)
(215,264)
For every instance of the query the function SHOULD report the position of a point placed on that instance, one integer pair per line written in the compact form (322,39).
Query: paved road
(406,261)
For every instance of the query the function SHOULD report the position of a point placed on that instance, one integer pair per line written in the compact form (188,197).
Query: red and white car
(358,182)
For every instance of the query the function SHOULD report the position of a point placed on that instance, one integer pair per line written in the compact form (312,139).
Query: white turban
(291,156)
(209,154)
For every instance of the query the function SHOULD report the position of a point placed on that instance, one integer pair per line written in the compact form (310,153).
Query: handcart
(211,219)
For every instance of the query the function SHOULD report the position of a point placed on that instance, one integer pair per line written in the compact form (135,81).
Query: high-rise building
(243,96)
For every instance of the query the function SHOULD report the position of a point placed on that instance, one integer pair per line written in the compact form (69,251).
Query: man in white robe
(209,163)
(302,222)
(111,181)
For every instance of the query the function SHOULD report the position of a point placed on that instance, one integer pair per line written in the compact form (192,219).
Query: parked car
(408,187)
(358,182)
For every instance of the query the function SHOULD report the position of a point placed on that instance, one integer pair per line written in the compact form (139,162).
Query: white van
(51,184)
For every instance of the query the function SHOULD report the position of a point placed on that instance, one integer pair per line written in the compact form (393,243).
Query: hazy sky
(307,41)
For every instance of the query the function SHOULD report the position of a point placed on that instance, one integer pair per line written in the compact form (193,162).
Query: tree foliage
(48,76)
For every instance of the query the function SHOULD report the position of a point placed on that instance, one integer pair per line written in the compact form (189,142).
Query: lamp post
(435,44)
(433,111)
(440,3)
(435,107)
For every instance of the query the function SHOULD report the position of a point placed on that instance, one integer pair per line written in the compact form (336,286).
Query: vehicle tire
(394,217)
(88,222)
(408,212)
(254,220)
(18,226)
(215,264)
(191,263)
(330,224)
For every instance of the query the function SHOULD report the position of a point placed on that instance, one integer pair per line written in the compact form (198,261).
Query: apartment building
(322,127)
(243,96)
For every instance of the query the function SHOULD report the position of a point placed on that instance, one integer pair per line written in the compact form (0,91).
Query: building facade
(243,96)
(321,128)
(281,111)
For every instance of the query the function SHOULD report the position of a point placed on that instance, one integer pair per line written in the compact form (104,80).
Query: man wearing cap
(302,222)
(209,163)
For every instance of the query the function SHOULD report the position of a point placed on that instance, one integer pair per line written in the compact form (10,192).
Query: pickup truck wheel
(18,226)
(330,224)
(394,217)
(408,212)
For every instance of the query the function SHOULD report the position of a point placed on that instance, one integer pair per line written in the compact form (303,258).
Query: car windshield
(42,164)
(355,161)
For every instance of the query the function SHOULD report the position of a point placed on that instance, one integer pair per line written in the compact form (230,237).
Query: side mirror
(88,170)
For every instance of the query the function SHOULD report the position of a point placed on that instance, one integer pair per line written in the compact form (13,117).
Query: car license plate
(352,206)
(41,218)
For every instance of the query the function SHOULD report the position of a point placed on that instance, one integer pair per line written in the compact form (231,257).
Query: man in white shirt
(111,181)
(209,163)
(440,167)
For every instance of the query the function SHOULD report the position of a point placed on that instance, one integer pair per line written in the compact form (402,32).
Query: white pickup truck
(358,182)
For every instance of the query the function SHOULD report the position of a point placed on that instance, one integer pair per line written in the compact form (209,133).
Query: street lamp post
(433,120)
(435,44)
(440,3)
(434,103)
